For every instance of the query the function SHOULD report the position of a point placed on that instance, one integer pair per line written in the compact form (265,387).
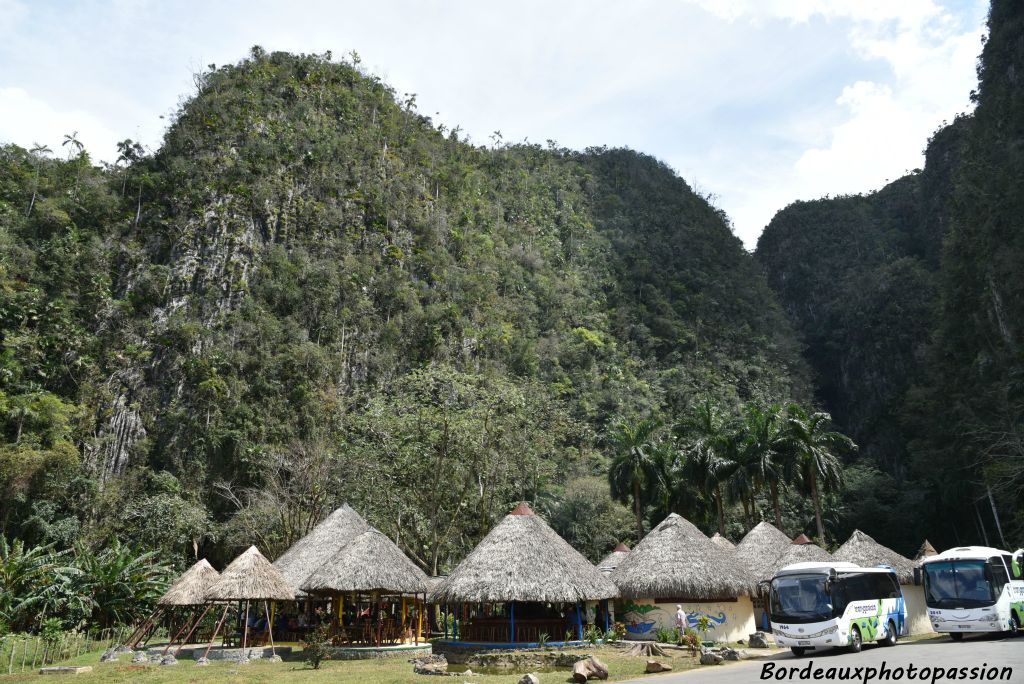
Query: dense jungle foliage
(910,302)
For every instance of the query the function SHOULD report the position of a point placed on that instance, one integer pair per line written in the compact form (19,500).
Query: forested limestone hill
(910,302)
(312,294)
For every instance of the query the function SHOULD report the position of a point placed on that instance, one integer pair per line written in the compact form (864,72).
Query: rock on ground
(529,679)
(758,640)
(590,668)
(168,660)
(202,662)
(654,666)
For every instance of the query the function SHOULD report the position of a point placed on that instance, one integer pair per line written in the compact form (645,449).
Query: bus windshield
(800,599)
(957,584)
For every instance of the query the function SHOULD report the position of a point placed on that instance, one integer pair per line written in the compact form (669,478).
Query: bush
(316,647)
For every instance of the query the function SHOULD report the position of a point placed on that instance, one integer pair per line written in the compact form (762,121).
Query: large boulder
(707,657)
(529,679)
(758,640)
(140,657)
(589,668)
(168,660)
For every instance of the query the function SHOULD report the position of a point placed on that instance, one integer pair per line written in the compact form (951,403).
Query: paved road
(971,652)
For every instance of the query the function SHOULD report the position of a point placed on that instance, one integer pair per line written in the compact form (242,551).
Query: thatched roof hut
(522,559)
(722,543)
(612,560)
(759,549)
(675,559)
(800,553)
(371,562)
(323,541)
(801,539)
(252,577)
(190,589)
(866,552)
(926,550)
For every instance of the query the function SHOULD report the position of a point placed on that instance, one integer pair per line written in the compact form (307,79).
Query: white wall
(917,611)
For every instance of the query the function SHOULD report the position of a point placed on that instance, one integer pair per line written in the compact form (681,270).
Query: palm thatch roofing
(926,550)
(369,563)
(612,560)
(190,589)
(676,559)
(801,539)
(759,549)
(322,542)
(721,542)
(800,553)
(250,577)
(866,552)
(522,559)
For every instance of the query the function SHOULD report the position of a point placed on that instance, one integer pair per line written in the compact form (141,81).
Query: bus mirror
(917,576)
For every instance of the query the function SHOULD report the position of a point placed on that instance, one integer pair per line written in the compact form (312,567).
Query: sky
(756,103)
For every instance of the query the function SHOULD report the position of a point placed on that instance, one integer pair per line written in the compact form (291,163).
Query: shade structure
(250,577)
(676,559)
(925,550)
(866,552)
(612,560)
(323,541)
(722,543)
(800,553)
(522,559)
(759,549)
(801,539)
(369,563)
(190,589)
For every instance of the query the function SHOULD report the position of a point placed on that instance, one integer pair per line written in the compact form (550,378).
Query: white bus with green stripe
(830,605)
(973,589)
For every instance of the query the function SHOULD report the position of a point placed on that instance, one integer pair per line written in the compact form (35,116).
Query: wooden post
(512,622)
(401,626)
(195,626)
(270,629)
(419,618)
(245,629)
(179,633)
(607,626)
(579,622)
(220,624)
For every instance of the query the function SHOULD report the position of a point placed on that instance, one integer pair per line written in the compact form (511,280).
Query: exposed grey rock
(709,658)
(655,666)
(168,660)
(140,657)
(108,656)
(273,659)
(121,648)
(529,678)
(758,640)
(202,662)
(729,654)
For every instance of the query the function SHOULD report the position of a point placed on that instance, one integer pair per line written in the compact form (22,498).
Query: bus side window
(888,587)
(999,575)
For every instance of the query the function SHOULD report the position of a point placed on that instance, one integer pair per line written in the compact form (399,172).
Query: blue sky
(757,103)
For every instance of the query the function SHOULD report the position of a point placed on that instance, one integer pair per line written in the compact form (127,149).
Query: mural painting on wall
(644,619)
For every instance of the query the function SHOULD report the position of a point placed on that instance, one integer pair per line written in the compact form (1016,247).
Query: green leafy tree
(634,467)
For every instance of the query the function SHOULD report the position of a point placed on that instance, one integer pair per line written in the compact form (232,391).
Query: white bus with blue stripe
(830,605)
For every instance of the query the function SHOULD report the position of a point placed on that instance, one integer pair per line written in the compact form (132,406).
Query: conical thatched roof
(612,560)
(250,576)
(800,553)
(190,589)
(676,559)
(801,539)
(522,559)
(722,543)
(926,550)
(759,549)
(370,562)
(866,552)
(322,542)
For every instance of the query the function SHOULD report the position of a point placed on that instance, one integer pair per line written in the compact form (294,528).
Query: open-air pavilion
(861,549)
(612,560)
(184,598)
(675,564)
(522,584)
(322,542)
(249,578)
(377,593)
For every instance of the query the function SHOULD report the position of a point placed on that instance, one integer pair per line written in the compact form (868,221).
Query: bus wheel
(890,637)
(797,651)
(855,641)
(956,636)
(1014,624)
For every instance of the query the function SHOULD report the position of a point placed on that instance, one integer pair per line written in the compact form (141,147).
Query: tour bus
(973,589)
(829,605)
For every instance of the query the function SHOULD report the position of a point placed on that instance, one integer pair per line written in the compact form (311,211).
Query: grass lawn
(386,671)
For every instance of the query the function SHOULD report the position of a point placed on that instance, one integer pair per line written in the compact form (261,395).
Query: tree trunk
(637,510)
(773,486)
(817,507)
(721,510)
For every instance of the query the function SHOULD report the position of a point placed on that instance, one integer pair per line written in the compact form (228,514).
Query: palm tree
(37,152)
(815,450)
(708,441)
(74,145)
(769,456)
(634,466)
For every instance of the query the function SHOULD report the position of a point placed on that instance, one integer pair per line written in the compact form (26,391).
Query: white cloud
(26,120)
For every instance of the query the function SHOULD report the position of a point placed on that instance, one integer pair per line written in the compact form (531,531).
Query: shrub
(316,647)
